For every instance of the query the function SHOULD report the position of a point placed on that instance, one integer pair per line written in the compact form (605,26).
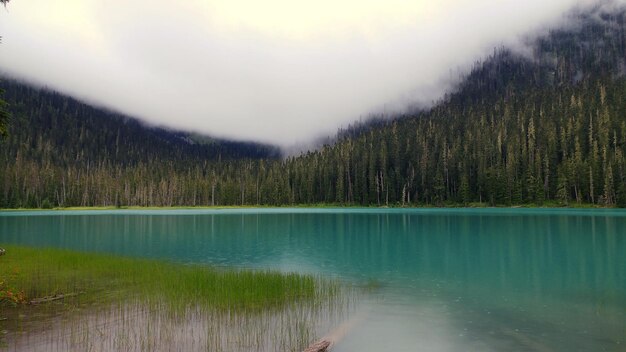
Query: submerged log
(53,298)
(319,346)
(328,341)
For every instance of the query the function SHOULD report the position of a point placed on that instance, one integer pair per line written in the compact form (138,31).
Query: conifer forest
(519,129)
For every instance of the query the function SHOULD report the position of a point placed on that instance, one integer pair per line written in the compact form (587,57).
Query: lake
(432,279)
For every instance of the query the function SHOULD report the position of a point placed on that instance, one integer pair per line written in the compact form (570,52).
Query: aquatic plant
(37,273)
(111,302)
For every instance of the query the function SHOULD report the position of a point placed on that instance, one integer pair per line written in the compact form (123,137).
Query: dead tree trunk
(319,346)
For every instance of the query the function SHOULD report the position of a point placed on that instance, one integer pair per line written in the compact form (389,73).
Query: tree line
(518,130)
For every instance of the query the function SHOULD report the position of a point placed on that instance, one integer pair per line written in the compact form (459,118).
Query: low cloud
(276,73)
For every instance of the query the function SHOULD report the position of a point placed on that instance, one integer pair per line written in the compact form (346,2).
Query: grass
(29,273)
(130,304)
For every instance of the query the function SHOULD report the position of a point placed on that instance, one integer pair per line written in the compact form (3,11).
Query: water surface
(436,279)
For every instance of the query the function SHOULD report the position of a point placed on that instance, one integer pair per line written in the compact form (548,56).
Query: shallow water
(436,279)
(135,326)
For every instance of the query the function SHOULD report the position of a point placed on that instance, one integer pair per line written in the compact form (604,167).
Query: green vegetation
(4,116)
(516,132)
(30,273)
(130,304)
(4,113)
(545,204)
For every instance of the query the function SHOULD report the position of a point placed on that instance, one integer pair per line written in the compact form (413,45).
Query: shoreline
(323,206)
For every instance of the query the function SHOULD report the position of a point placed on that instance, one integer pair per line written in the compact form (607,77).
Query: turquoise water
(435,279)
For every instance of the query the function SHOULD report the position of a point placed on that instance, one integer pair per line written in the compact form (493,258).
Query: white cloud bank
(279,71)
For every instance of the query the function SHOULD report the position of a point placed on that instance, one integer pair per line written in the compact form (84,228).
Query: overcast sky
(279,71)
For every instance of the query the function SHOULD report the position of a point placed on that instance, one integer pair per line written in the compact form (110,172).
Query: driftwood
(327,342)
(319,346)
(53,298)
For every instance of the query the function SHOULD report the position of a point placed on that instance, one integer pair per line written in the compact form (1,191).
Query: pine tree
(621,195)
(609,193)
(4,117)
(465,190)
(562,192)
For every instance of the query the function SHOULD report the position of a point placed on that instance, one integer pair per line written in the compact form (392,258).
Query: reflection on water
(136,326)
(440,280)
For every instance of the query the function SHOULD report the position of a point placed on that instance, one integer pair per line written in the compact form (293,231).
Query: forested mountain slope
(65,131)
(59,150)
(518,130)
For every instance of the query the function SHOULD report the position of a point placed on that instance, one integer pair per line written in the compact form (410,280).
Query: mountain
(518,130)
(549,126)
(56,145)
(65,131)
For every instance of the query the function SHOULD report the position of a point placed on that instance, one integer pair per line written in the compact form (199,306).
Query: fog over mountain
(277,71)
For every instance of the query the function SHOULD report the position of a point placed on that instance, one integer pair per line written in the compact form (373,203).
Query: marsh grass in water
(35,273)
(133,304)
